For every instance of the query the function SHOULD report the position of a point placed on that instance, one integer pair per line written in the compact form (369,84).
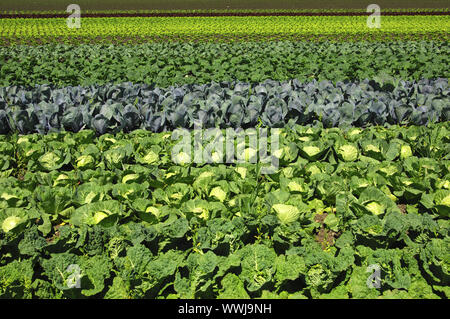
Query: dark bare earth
(61,5)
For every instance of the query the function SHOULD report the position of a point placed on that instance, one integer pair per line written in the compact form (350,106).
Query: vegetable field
(276,153)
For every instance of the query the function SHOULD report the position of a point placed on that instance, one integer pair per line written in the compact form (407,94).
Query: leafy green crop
(125,227)
(166,63)
(195,28)
(126,107)
(336,176)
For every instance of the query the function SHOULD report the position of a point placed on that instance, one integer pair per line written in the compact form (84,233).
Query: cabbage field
(225,154)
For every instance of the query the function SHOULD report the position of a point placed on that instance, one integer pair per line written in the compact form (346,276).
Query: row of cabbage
(143,164)
(165,64)
(138,225)
(113,108)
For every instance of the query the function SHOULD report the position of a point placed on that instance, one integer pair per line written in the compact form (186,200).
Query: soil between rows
(219,14)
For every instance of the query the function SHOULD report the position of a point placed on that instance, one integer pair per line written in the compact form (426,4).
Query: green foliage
(156,229)
(16,279)
(220,105)
(166,63)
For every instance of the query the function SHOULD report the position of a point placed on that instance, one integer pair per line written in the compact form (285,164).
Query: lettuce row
(112,108)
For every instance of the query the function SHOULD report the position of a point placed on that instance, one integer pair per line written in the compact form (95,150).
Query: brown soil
(402,208)
(56,235)
(320,217)
(21,174)
(437,36)
(326,238)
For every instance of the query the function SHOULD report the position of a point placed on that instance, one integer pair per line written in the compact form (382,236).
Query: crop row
(405,11)
(136,225)
(298,145)
(113,108)
(192,27)
(165,64)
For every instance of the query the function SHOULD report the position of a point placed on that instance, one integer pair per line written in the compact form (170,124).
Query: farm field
(60,5)
(248,152)
(226,28)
